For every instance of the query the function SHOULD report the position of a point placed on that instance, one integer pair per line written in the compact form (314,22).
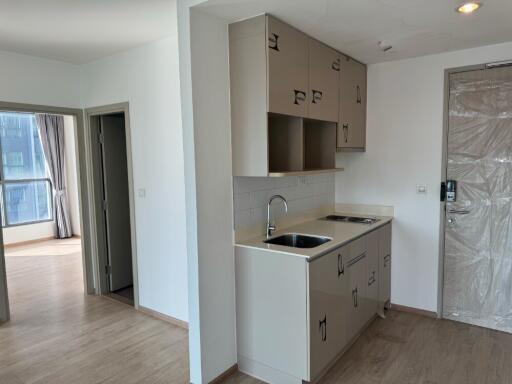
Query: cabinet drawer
(357,247)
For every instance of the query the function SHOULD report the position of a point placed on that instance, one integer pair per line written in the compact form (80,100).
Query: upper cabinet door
(287,69)
(324,70)
(352,119)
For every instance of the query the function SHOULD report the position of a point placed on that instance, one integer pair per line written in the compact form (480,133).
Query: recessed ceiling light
(469,7)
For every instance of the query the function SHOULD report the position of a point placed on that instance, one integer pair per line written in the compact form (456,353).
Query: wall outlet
(142,193)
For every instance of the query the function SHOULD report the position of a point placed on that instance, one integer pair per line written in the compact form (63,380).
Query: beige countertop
(340,232)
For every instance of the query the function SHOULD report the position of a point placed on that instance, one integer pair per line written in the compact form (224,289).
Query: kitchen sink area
(297,240)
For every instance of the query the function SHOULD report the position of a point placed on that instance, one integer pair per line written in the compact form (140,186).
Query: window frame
(3,204)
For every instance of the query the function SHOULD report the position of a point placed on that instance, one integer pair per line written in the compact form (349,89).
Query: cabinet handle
(336,65)
(345,132)
(354,297)
(316,96)
(358,96)
(372,279)
(300,96)
(322,327)
(387,259)
(273,42)
(341,265)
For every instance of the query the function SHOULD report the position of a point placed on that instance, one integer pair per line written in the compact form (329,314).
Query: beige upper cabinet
(324,70)
(352,112)
(287,69)
(285,100)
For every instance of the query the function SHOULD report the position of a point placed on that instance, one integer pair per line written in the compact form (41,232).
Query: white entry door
(478,228)
(117,203)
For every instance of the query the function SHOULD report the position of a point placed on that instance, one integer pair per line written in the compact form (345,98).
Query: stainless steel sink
(296,240)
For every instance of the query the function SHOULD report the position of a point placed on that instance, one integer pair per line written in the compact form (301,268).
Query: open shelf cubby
(319,144)
(285,143)
(298,146)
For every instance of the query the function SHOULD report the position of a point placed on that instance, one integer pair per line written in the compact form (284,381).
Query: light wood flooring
(411,349)
(58,335)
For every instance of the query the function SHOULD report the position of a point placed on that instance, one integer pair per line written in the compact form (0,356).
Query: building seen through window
(26,192)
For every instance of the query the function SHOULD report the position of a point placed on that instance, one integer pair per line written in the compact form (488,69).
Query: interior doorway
(111,169)
(478,223)
(42,171)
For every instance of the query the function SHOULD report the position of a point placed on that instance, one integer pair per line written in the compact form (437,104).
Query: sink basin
(296,240)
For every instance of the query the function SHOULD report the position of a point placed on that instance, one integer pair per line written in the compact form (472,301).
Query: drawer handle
(354,297)
(341,265)
(300,97)
(316,96)
(322,326)
(273,42)
(356,259)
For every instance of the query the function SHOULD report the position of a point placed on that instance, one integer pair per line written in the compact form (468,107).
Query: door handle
(358,95)
(459,211)
(345,132)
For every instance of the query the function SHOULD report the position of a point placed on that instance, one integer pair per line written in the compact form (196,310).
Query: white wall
(27,79)
(404,148)
(148,78)
(71,173)
(207,144)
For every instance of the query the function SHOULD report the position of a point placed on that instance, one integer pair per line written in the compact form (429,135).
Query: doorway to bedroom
(40,213)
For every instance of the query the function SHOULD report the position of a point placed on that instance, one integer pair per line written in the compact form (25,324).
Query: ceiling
(79,31)
(413,27)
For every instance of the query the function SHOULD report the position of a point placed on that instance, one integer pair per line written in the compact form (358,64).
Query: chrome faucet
(272,227)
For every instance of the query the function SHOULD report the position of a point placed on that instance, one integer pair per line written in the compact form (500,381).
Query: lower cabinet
(385,266)
(373,275)
(328,300)
(296,316)
(357,310)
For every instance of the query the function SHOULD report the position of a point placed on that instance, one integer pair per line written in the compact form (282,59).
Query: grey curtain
(51,131)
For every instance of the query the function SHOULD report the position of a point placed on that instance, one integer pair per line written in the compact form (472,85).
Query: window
(26,191)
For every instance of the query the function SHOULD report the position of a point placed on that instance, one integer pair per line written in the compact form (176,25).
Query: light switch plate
(421,189)
(142,193)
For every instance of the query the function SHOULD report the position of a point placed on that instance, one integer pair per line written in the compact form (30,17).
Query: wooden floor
(57,335)
(411,349)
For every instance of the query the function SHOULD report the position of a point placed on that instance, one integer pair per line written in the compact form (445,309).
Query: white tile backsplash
(303,193)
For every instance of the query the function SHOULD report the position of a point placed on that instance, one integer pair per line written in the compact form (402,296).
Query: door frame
(444,168)
(98,230)
(81,165)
